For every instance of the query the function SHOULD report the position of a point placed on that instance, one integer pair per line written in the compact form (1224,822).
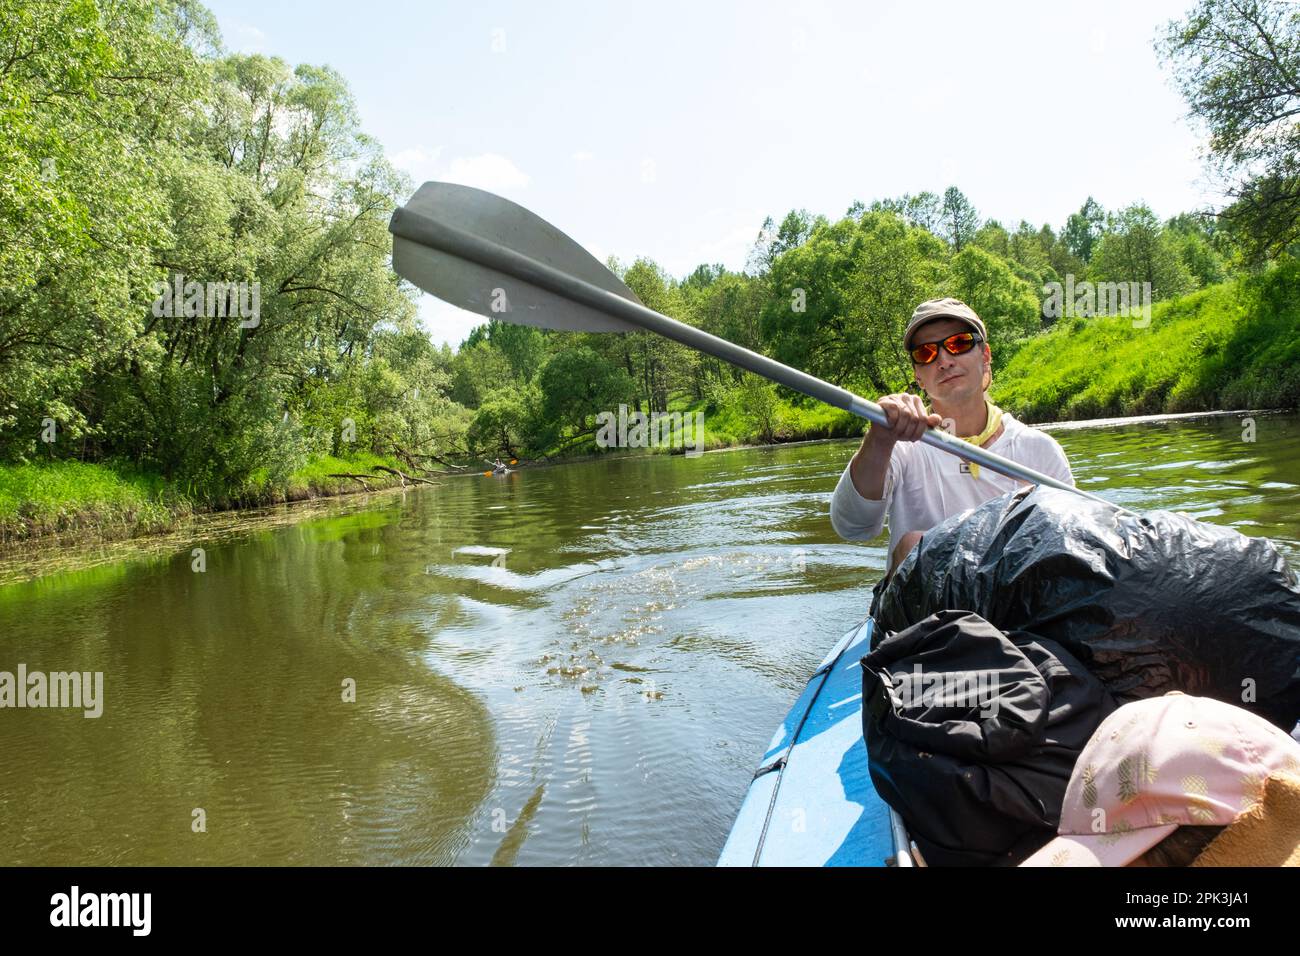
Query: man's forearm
(870,466)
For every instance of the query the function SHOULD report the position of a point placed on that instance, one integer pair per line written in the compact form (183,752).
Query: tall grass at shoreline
(1232,345)
(111,500)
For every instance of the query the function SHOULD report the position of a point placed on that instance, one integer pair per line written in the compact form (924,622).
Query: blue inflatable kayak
(811,802)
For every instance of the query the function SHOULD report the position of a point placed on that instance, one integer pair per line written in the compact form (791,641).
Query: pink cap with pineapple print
(1157,764)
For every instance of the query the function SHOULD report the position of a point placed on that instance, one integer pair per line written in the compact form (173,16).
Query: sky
(672,130)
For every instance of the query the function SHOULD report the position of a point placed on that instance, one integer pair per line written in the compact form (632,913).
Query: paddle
(489,255)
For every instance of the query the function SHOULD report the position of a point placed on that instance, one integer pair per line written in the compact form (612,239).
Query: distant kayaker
(918,485)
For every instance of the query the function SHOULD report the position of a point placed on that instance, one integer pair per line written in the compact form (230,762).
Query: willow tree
(93,98)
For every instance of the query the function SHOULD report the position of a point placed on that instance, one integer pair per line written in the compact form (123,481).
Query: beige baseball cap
(933,309)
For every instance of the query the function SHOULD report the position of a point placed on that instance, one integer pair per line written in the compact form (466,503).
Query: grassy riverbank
(110,501)
(1232,345)
(772,419)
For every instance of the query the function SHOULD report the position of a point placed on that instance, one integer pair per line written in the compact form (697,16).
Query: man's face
(950,378)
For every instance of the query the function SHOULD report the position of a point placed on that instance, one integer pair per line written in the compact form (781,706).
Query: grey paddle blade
(472,217)
(491,256)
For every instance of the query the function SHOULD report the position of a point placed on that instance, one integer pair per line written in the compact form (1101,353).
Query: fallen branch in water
(405,478)
(414,458)
(360,478)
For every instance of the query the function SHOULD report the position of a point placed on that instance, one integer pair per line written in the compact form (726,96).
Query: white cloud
(419,161)
(583,156)
(724,237)
(445,322)
(489,171)
(248,38)
(409,158)
(731,249)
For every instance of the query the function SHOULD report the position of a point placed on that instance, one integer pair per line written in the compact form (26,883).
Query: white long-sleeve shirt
(925,485)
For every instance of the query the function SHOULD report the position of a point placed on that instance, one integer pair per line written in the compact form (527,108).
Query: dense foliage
(145,167)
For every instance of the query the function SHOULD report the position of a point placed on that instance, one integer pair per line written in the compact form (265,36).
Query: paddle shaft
(465,245)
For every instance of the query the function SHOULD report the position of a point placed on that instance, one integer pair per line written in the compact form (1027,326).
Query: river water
(570,665)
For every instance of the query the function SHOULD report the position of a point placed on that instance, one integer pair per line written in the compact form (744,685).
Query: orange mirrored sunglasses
(923,353)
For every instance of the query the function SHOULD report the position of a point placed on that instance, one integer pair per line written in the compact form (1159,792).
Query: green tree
(995,238)
(92,99)
(1009,306)
(756,403)
(523,346)
(959,218)
(1237,63)
(259,195)
(504,424)
(1194,238)
(1136,248)
(478,369)
(729,307)
(659,366)
(1083,229)
(922,210)
(837,305)
(576,385)
(1026,247)
(142,158)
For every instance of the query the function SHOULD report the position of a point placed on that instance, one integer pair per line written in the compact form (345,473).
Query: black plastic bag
(1149,603)
(972,735)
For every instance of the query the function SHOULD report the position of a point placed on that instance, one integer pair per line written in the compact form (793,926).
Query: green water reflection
(578,664)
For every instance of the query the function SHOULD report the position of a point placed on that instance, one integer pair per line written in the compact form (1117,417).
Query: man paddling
(916,484)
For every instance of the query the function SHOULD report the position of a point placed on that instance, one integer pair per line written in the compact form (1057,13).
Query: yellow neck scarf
(991,426)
